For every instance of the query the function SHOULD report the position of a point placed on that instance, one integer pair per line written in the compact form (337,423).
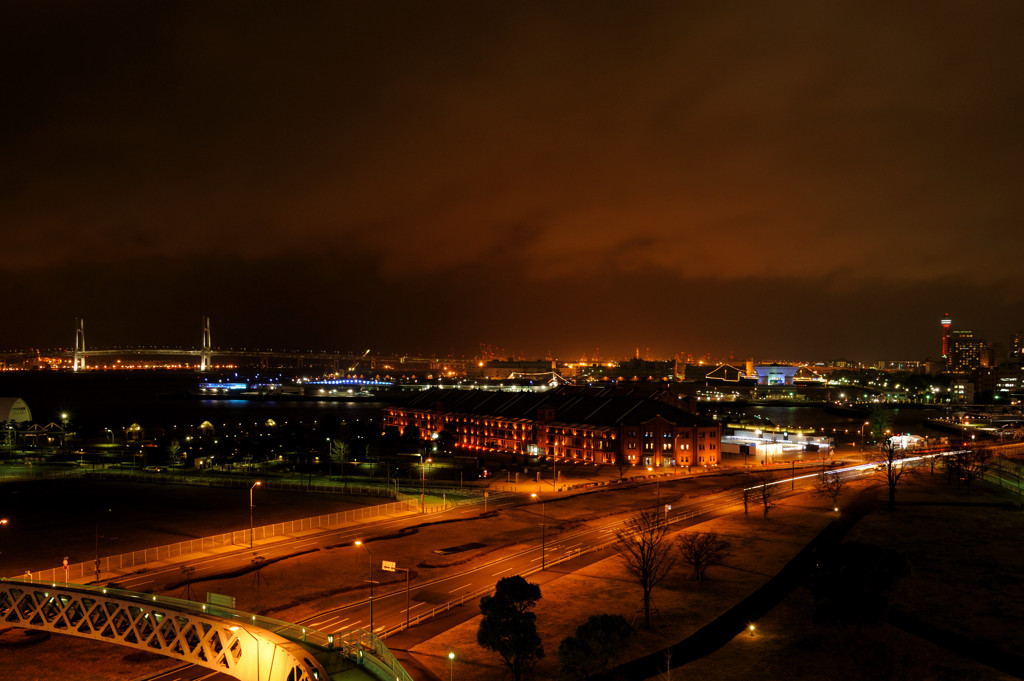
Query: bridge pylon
(206,355)
(79,357)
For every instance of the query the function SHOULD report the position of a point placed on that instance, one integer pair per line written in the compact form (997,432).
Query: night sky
(795,180)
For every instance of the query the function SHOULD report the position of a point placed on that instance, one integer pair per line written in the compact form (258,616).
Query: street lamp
(657,485)
(254,486)
(423,482)
(451,664)
(543,533)
(862,433)
(389,566)
(359,543)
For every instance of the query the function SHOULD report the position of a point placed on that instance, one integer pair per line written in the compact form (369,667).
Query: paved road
(169,575)
(391,609)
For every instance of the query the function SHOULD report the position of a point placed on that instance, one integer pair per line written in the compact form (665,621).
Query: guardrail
(85,569)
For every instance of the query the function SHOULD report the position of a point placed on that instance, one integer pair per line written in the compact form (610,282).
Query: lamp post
(543,534)
(3,521)
(423,482)
(359,543)
(862,433)
(64,431)
(451,664)
(657,486)
(254,486)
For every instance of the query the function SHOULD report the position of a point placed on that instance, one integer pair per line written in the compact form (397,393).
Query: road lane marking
(502,572)
(322,624)
(460,587)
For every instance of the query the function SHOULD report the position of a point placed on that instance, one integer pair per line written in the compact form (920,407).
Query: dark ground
(51,519)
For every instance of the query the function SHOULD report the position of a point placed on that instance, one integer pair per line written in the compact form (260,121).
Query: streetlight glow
(251,529)
(360,543)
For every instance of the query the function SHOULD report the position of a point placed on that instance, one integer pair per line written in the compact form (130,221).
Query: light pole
(64,431)
(543,534)
(423,483)
(657,486)
(359,543)
(389,566)
(862,433)
(451,664)
(254,486)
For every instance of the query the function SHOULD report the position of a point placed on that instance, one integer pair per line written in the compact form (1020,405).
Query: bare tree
(701,550)
(643,542)
(767,491)
(829,484)
(894,466)
(971,464)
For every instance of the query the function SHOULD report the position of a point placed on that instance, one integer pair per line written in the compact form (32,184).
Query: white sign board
(388,566)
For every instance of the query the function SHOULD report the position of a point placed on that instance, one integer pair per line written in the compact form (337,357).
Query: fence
(380,490)
(124,561)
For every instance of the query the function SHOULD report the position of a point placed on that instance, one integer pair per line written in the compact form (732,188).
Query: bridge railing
(360,646)
(239,538)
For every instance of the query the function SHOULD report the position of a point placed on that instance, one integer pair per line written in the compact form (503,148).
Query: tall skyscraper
(967,353)
(946,323)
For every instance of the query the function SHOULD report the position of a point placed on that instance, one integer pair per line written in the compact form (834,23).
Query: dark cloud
(727,178)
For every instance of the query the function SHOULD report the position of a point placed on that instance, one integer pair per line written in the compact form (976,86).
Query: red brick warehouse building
(605,425)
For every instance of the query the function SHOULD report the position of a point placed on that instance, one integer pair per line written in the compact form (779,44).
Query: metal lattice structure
(180,630)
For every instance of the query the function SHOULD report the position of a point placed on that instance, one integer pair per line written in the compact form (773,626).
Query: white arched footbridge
(245,646)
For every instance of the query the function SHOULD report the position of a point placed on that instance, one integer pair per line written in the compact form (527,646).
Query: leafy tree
(879,421)
(391,441)
(509,627)
(702,550)
(340,452)
(445,441)
(174,450)
(643,542)
(829,484)
(591,649)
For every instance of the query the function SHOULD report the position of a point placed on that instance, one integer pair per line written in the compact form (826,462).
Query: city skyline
(798,182)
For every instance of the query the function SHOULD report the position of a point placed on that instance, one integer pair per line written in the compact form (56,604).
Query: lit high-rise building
(946,323)
(967,353)
(1017,345)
